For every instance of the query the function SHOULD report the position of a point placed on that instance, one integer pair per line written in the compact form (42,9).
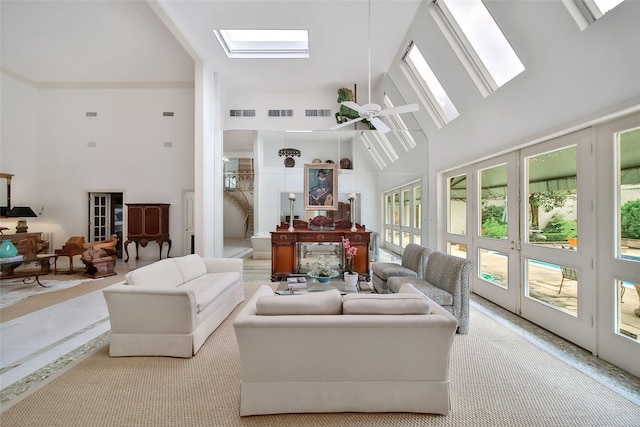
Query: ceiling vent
(242,113)
(280,113)
(167,114)
(92,114)
(317,113)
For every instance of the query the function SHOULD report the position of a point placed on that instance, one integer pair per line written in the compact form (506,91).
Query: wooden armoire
(147,222)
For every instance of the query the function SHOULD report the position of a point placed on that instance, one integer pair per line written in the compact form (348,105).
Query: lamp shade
(21,212)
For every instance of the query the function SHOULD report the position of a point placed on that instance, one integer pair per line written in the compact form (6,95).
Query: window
(434,97)
(264,43)
(586,12)
(479,43)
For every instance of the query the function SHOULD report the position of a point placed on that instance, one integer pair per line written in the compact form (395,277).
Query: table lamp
(22,213)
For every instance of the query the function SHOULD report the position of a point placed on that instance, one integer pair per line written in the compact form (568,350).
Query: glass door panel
(417,200)
(497,255)
(552,199)
(628,309)
(494,267)
(552,284)
(457,205)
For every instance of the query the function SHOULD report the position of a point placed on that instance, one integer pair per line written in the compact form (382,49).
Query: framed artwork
(321,187)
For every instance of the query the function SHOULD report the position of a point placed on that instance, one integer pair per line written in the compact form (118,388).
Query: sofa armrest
(223,265)
(145,309)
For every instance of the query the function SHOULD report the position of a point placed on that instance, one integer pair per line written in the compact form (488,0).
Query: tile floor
(37,346)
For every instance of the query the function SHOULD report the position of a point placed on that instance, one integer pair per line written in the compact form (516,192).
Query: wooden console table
(285,253)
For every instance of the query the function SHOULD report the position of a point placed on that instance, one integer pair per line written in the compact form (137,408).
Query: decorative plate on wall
(289,162)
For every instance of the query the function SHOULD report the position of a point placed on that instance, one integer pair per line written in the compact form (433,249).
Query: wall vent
(168,144)
(317,113)
(242,113)
(92,114)
(167,114)
(91,144)
(280,113)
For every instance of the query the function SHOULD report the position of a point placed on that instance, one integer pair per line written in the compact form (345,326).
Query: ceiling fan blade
(347,123)
(354,106)
(380,125)
(409,108)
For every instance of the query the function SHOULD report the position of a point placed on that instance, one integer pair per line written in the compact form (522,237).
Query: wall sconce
(21,212)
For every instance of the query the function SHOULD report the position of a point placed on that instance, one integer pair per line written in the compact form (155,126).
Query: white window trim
(463,49)
(426,98)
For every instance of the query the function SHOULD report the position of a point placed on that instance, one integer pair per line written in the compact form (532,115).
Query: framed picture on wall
(321,187)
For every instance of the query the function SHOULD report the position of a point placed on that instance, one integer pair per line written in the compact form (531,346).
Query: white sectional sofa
(170,307)
(321,352)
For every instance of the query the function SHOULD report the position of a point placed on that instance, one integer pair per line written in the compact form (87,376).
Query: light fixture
(21,212)
(289,152)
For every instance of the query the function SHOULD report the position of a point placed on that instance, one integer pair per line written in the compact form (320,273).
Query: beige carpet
(498,379)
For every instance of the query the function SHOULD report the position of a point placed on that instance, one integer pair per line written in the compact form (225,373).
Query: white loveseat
(321,352)
(170,307)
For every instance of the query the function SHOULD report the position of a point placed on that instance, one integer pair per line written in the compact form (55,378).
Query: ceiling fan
(371,112)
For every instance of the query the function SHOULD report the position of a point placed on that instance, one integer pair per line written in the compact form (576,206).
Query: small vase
(351,282)
(8,249)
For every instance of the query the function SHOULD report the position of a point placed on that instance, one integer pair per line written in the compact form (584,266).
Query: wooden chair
(568,273)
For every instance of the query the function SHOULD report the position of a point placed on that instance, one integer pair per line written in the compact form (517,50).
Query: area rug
(497,379)
(15,290)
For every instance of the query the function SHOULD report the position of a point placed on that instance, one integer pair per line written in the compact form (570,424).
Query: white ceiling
(127,41)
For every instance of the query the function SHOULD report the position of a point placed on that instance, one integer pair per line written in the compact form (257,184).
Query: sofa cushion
(385,304)
(208,287)
(385,270)
(190,266)
(163,273)
(329,302)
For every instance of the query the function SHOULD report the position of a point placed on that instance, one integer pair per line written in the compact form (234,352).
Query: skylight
(264,43)
(434,97)
(479,43)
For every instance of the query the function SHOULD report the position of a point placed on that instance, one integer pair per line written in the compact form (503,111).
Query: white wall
(55,169)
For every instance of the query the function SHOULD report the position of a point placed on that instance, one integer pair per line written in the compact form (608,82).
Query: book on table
(297,282)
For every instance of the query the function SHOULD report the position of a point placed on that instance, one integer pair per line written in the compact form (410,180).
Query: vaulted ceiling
(52,42)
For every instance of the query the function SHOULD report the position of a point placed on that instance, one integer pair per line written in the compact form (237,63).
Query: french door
(517,217)
(99,216)
(558,284)
(402,217)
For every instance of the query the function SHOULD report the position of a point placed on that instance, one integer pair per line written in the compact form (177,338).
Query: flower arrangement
(349,253)
(322,268)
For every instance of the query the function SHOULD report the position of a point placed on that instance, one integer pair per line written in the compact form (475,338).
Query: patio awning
(553,171)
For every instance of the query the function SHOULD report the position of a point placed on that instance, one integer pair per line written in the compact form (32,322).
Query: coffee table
(314,286)
(45,261)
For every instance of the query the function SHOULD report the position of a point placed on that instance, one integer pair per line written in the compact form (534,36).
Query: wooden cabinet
(285,245)
(147,222)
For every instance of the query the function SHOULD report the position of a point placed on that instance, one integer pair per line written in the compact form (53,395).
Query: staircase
(236,187)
